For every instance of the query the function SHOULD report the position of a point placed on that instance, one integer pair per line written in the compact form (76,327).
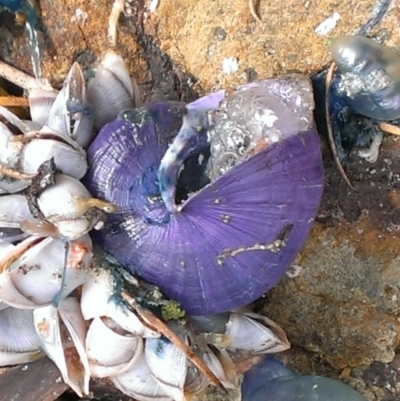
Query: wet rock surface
(344,304)
(341,312)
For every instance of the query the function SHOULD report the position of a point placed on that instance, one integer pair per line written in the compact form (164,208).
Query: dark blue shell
(271,380)
(370,76)
(232,240)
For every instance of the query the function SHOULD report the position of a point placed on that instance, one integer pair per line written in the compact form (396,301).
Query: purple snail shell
(232,240)
(371,76)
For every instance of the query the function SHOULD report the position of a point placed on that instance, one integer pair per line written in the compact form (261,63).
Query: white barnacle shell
(24,149)
(67,206)
(62,334)
(71,113)
(39,261)
(122,350)
(13,210)
(251,333)
(221,365)
(40,103)
(98,300)
(18,340)
(68,157)
(138,383)
(168,365)
(10,150)
(111,90)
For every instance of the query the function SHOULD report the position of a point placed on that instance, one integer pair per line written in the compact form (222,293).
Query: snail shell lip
(231,241)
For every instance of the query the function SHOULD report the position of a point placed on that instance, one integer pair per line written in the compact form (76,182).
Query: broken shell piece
(117,8)
(18,340)
(121,351)
(21,283)
(62,334)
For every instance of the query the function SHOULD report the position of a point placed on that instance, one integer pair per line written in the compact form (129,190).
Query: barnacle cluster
(62,298)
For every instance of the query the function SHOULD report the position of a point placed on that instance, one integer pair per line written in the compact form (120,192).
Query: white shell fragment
(326,26)
(117,8)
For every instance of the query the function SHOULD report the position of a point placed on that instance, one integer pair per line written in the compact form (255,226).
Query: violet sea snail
(215,209)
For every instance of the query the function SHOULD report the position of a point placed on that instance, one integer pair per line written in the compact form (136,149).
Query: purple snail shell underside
(227,243)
